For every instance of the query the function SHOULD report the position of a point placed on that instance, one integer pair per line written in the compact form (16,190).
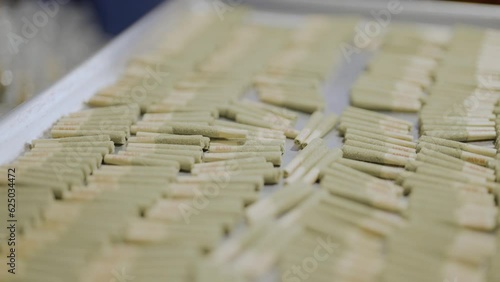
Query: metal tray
(32,119)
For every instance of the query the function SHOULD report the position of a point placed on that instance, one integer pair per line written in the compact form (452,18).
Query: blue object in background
(117,15)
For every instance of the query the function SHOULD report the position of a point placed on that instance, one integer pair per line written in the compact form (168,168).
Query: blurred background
(42,40)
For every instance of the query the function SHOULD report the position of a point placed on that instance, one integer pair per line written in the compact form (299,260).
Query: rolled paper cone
(247,197)
(250,128)
(278,203)
(261,138)
(97,120)
(454,166)
(103,129)
(301,156)
(325,126)
(418,180)
(183,109)
(376,170)
(431,155)
(460,123)
(371,115)
(166,123)
(295,103)
(367,155)
(273,157)
(101,116)
(465,136)
(383,138)
(371,129)
(142,161)
(244,148)
(233,110)
(107,144)
(345,205)
(333,177)
(232,167)
(129,109)
(307,165)
(270,176)
(124,179)
(194,148)
(89,161)
(186,162)
(68,157)
(275,110)
(171,116)
(250,120)
(248,142)
(197,140)
(457,153)
(257,181)
(267,80)
(77,150)
(368,141)
(133,168)
(368,101)
(166,108)
(430,127)
(161,233)
(369,197)
(489,152)
(438,113)
(265,252)
(455,197)
(197,155)
(119,137)
(340,170)
(314,173)
(231,163)
(319,225)
(380,123)
(144,133)
(246,187)
(344,124)
(433,170)
(255,135)
(380,149)
(162,173)
(237,244)
(189,119)
(90,138)
(312,123)
(180,129)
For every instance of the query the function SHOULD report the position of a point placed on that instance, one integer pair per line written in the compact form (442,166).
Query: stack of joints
(317,126)
(375,143)
(258,115)
(114,121)
(298,222)
(451,189)
(149,78)
(397,77)
(308,163)
(215,81)
(293,78)
(61,164)
(461,103)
